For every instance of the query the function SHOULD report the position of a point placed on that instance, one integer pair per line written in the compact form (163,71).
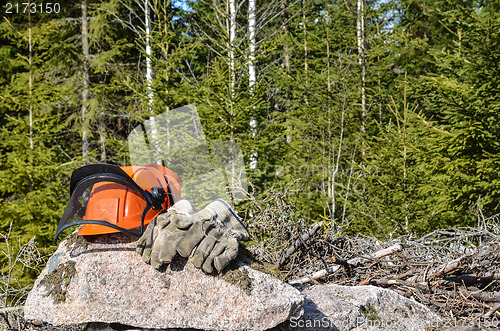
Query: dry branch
(340,261)
(458,278)
(492,310)
(468,279)
(352,262)
(391,282)
(439,271)
(482,296)
(299,242)
(11,309)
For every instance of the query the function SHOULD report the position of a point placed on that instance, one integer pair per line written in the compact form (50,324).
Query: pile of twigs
(455,272)
(467,286)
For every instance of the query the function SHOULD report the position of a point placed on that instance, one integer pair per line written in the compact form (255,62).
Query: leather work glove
(217,258)
(172,229)
(208,238)
(212,240)
(158,244)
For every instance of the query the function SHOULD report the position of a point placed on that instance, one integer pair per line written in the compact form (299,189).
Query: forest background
(374,117)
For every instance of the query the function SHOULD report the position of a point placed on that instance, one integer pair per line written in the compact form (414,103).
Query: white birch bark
(30,91)
(286,50)
(155,143)
(252,77)
(231,26)
(149,53)
(361,52)
(252,44)
(86,79)
(231,32)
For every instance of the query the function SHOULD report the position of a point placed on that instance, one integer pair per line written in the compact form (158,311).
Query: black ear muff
(159,197)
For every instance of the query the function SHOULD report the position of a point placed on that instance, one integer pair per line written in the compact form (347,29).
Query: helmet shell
(123,206)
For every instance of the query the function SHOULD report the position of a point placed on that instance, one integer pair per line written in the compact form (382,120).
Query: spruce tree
(36,138)
(462,98)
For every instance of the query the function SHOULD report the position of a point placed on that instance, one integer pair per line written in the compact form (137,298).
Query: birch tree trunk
(361,52)
(232,38)
(30,87)
(405,162)
(86,79)
(149,84)
(286,50)
(231,31)
(252,77)
(149,53)
(252,44)
(306,51)
(102,137)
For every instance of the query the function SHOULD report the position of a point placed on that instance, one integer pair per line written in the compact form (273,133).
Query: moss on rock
(238,277)
(58,280)
(370,312)
(269,269)
(70,240)
(248,258)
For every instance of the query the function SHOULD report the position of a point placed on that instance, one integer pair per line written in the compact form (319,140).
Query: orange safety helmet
(106,198)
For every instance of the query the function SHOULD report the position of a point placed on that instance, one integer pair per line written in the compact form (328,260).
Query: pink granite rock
(353,308)
(106,281)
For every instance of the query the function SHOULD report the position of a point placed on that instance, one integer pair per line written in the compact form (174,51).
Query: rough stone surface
(105,281)
(335,307)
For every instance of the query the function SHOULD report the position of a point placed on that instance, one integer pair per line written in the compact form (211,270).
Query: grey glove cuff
(228,219)
(184,207)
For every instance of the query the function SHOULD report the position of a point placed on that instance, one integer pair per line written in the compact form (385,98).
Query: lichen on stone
(370,312)
(81,243)
(57,281)
(269,269)
(70,240)
(238,277)
(246,257)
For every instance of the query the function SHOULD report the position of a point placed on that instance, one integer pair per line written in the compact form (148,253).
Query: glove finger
(229,219)
(169,248)
(150,240)
(181,222)
(160,240)
(164,219)
(203,250)
(193,237)
(208,265)
(202,215)
(142,242)
(184,207)
(222,260)
(145,242)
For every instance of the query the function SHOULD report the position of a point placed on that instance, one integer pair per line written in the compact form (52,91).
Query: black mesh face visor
(83,183)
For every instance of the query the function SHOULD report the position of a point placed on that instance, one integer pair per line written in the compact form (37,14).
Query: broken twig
(300,241)
(352,262)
